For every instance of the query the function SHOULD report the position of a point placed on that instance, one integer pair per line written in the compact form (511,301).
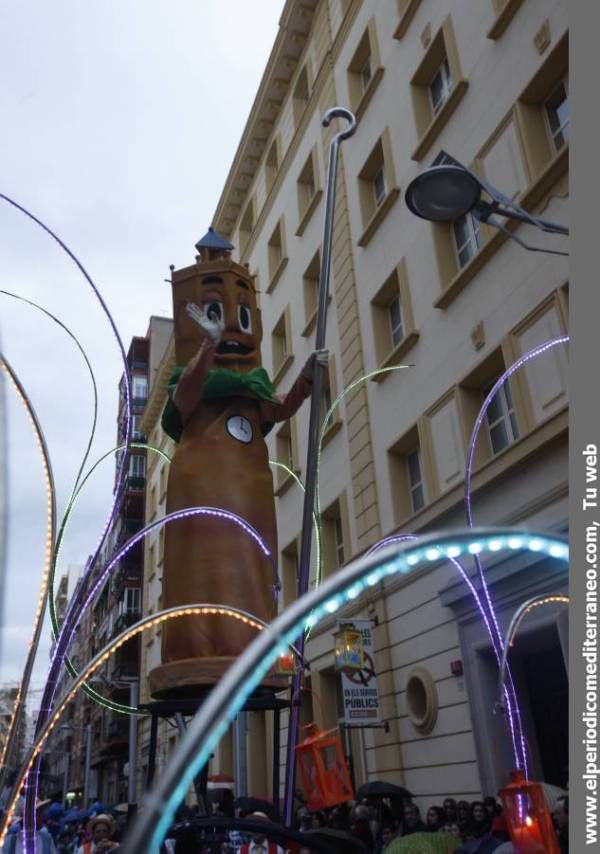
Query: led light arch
(44,587)
(71,615)
(514,625)
(512,706)
(229,696)
(95,696)
(194,610)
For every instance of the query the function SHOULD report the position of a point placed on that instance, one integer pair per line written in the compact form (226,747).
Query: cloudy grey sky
(119,124)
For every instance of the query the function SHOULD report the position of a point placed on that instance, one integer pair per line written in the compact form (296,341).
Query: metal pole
(313,439)
(241,769)
(134,691)
(88,760)
(67,758)
(276,756)
(152,749)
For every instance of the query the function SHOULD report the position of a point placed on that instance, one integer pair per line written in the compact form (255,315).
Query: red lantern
(529,821)
(323,768)
(284,666)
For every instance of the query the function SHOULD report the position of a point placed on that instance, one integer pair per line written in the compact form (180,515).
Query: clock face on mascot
(240,428)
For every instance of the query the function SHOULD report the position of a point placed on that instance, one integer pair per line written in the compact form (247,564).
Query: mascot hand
(188,393)
(321,357)
(211,328)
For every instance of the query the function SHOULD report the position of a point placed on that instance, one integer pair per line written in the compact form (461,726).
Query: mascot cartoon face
(228,300)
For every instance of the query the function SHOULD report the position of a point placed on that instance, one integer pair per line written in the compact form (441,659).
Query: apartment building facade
(485,83)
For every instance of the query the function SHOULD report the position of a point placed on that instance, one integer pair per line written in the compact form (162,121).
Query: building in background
(485,83)
(116,605)
(156,496)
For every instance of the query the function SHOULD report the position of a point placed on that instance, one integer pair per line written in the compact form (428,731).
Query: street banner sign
(359,687)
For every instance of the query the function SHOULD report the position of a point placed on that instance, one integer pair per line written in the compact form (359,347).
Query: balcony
(136,483)
(126,619)
(116,737)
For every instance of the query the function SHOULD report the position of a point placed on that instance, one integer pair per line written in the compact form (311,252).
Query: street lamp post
(313,437)
(447,192)
(88,759)
(134,690)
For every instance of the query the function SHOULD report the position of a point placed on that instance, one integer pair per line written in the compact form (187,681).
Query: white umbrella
(553,793)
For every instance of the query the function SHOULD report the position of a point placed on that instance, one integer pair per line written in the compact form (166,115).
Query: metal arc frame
(5,756)
(227,698)
(204,609)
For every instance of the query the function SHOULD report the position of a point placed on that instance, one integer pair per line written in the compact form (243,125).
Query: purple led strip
(399,538)
(499,644)
(171,517)
(61,649)
(29,818)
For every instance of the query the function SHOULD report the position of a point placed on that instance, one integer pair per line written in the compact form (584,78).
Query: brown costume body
(221,461)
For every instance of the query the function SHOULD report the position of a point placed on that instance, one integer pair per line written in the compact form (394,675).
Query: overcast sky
(120,121)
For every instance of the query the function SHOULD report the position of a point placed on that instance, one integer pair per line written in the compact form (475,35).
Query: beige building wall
(464,321)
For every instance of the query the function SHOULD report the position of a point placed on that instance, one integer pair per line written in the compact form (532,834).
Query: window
(501,426)
(281,338)
(501,419)
(377,187)
(137,465)
(308,191)
(287,453)
(152,504)
(364,71)
(339,541)
(328,395)
(277,257)
(289,573)
(557,114)
(437,87)
(393,326)
(139,390)
(129,603)
(542,116)
(300,95)
(467,238)
(136,430)
(163,481)
(272,164)
(415,480)
(333,539)
(440,86)
(310,288)
(408,478)
(396,321)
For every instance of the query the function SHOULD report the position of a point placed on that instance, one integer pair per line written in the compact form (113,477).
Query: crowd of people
(376,825)
(60,831)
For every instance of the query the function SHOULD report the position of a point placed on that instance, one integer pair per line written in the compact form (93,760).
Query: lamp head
(443,193)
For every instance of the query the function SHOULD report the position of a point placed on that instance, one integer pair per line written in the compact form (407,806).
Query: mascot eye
(244,318)
(214,312)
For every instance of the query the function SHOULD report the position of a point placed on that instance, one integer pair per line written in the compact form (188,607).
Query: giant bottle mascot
(221,405)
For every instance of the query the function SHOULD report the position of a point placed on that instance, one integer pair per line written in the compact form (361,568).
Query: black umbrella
(248,805)
(344,842)
(381,789)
